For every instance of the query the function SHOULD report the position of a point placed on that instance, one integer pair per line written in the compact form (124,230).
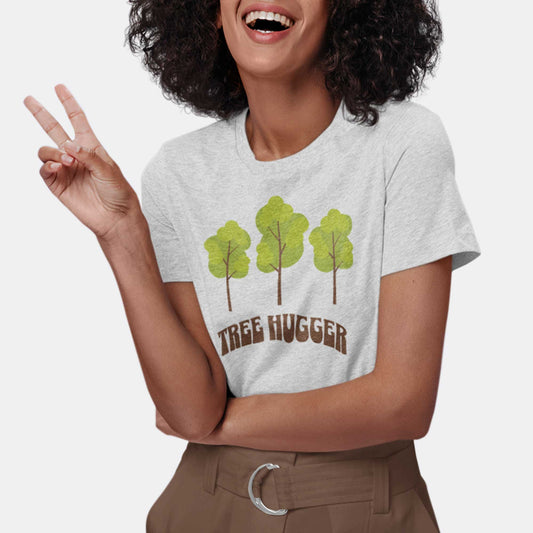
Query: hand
(89,183)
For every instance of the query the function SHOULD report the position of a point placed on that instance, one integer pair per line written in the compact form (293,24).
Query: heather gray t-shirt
(286,256)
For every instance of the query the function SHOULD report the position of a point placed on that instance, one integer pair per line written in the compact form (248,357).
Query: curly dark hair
(374,51)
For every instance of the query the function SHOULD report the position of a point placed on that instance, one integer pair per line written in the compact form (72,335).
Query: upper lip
(267,6)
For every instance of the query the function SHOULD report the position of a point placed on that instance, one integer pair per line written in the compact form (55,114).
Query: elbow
(202,426)
(198,432)
(193,435)
(199,435)
(420,428)
(191,432)
(198,421)
(412,418)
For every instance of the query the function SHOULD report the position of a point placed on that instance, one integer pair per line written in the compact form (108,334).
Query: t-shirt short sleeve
(425,218)
(169,250)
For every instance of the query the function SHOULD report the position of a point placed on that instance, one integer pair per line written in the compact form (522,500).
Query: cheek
(232,37)
(227,14)
(312,35)
(315,21)
(227,22)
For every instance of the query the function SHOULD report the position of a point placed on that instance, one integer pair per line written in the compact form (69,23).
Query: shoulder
(178,155)
(401,124)
(409,121)
(414,133)
(202,146)
(200,140)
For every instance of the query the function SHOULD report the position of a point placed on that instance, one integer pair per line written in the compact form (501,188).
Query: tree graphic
(227,253)
(332,248)
(282,243)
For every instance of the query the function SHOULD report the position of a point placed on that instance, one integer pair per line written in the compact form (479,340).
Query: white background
(79,448)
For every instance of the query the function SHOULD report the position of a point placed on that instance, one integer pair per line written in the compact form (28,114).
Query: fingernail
(73,146)
(55,166)
(66,158)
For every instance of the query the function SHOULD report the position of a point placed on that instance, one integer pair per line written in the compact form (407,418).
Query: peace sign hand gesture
(81,174)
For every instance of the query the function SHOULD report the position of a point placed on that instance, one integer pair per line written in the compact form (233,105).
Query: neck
(285,119)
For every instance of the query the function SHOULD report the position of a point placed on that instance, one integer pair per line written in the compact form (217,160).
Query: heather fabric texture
(286,256)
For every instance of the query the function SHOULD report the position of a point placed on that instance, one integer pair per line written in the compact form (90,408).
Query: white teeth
(268,15)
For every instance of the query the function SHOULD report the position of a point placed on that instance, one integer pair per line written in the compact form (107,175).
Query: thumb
(88,157)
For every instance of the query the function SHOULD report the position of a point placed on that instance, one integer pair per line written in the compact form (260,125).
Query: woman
(253,270)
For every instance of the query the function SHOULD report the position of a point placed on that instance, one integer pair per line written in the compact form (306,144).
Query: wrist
(130,227)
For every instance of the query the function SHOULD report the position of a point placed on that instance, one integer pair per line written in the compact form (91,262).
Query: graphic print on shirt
(332,248)
(227,254)
(281,245)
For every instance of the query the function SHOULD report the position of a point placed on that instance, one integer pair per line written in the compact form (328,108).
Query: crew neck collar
(290,162)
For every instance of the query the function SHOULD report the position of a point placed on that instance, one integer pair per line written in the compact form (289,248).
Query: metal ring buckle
(257,500)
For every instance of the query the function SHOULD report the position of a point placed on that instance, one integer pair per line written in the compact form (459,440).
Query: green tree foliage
(332,248)
(227,253)
(281,245)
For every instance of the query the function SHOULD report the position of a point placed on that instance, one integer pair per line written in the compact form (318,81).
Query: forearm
(354,414)
(175,368)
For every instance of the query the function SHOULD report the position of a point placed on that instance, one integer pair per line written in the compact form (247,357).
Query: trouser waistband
(294,484)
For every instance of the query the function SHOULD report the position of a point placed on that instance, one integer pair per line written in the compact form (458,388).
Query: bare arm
(185,379)
(395,401)
(187,387)
(183,297)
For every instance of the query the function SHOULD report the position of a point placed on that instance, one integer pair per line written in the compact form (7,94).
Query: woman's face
(278,53)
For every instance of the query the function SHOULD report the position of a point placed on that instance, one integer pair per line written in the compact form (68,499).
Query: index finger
(49,124)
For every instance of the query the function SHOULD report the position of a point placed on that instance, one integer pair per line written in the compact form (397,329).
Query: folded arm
(394,401)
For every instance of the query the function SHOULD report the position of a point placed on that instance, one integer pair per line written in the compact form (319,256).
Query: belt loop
(381,486)
(210,468)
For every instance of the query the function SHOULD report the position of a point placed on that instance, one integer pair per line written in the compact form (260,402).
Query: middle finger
(78,119)
(76,115)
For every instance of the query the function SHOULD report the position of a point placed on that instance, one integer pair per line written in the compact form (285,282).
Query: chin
(265,67)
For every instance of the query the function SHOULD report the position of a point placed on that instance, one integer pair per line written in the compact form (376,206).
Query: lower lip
(266,38)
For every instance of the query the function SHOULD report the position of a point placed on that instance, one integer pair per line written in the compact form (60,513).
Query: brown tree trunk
(334,269)
(334,285)
(227,293)
(227,277)
(279,266)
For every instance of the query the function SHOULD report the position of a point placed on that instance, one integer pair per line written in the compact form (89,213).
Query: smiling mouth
(267,21)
